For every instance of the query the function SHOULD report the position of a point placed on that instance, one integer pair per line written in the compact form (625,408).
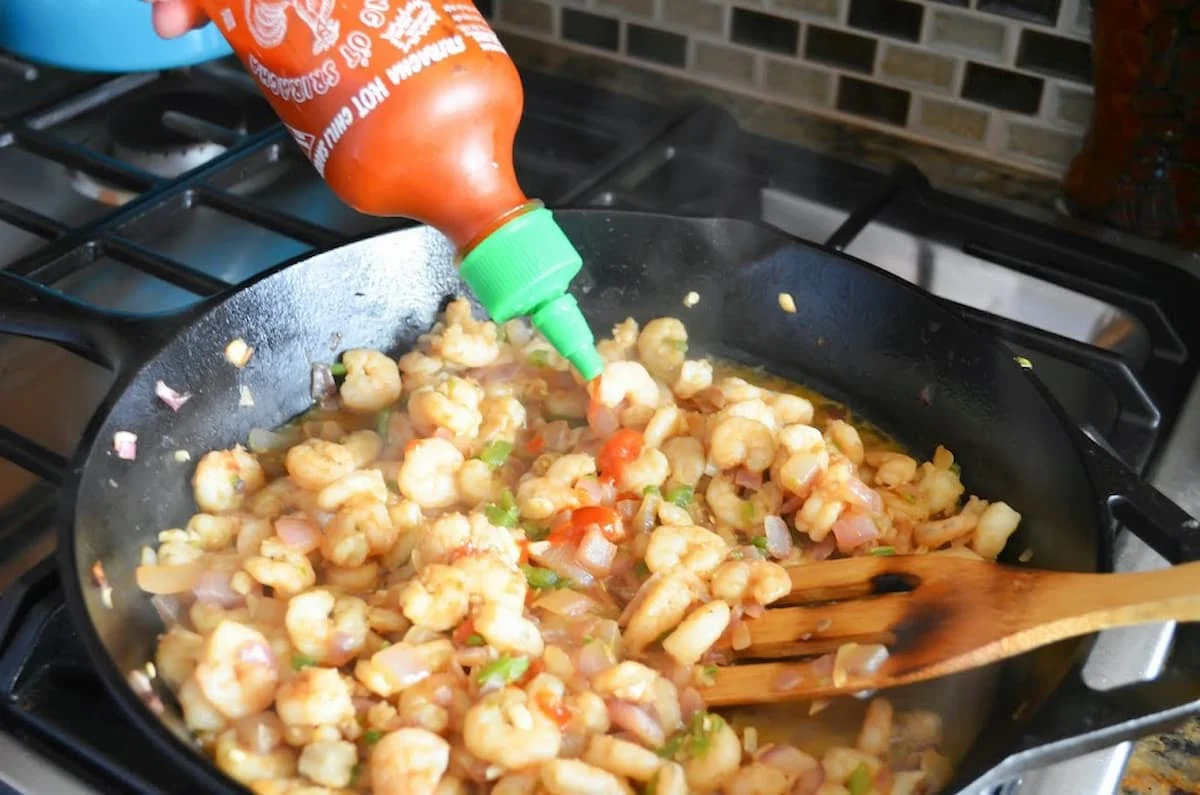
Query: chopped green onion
(535,533)
(502,671)
(475,639)
(883,552)
(956,469)
(651,489)
(760,542)
(680,495)
(300,661)
(542,579)
(641,569)
(695,739)
(355,772)
(383,422)
(859,782)
(678,344)
(337,369)
(372,736)
(540,358)
(910,498)
(748,511)
(506,513)
(495,453)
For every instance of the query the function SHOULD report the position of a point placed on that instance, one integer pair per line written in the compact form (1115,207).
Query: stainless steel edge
(27,771)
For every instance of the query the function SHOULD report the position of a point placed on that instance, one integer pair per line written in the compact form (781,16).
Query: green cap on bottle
(525,268)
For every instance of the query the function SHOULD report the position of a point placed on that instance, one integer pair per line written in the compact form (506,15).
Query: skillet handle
(115,340)
(1135,504)
(1077,719)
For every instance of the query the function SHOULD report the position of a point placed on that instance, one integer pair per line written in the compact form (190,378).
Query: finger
(173,18)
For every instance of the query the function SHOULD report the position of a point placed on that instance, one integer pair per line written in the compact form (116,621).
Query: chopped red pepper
(554,709)
(463,631)
(523,545)
(535,444)
(535,667)
(619,449)
(572,531)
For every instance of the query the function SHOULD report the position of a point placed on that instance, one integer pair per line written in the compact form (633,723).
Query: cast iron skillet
(905,360)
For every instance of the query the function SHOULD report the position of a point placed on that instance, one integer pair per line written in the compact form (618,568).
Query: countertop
(1166,764)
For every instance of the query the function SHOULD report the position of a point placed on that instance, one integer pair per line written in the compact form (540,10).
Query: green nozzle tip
(564,326)
(525,268)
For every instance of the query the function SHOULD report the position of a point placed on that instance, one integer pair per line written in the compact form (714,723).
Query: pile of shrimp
(471,572)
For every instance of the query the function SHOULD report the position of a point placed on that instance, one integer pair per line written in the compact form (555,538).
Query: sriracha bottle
(409,108)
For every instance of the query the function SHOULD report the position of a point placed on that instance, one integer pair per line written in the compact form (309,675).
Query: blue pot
(100,36)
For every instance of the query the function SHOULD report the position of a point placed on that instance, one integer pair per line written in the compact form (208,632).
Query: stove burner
(139,135)
(169,133)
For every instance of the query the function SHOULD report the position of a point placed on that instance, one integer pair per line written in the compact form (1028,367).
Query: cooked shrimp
(505,729)
(697,633)
(572,777)
(630,384)
(246,766)
(622,757)
(329,763)
(740,442)
(372,381)
(363,483)
(409,762)
(720,758)
(224,478)
(316,463)
(505,629)
(452,404)
(649,469)
(453,532)
(762,580)
(281,568)
(361,528)
(237,672)
(997,522)
(328,628)
(663,346)
(694,377)
(665,604)
(685,456)
(438,598)
(429,474)
(314,697)
(696,549)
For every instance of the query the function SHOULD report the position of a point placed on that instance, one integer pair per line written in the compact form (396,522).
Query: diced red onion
(571,604)
(322,387)
(403,664)
(779,538)
(169,609)
(556,437)
(125,443)
(260,733)
(791,504)
(853,530)
(596,553)
(606,630)
(628,509)
(855,659)
(602,420)
(753,610)
(809,782)
(473,656)
(637,721)
(214,588)
(444,433)
(647,514)
(789,759)
(690,702)
(298,532)
(863,496)
(343,646)
(560,558)
(494,373)
(594,658)
(623,582)
(256,652)
(592,488)
(823,548)
(173,399)
(750,553)
(747,479)
(168,579)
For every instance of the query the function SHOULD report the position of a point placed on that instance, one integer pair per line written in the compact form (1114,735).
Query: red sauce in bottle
(405,107)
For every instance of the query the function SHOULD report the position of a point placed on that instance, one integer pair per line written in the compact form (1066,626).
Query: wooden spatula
(937,615)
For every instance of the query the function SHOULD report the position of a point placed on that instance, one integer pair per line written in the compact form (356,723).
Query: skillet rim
(90,447)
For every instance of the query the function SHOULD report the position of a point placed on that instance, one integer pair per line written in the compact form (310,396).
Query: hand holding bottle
(173,18)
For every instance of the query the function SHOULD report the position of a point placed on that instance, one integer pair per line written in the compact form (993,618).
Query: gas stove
(147,192)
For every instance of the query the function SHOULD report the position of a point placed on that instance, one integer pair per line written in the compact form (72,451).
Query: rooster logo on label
(268,21)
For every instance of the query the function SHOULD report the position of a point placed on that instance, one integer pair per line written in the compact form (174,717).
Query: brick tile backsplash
(1009,80)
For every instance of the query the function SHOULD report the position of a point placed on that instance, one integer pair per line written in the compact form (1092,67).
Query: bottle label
(300,51)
